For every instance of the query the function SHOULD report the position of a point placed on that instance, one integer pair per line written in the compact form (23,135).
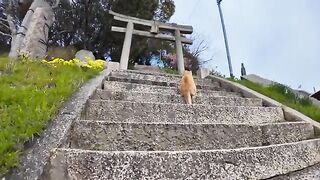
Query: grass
(30,94)
(169,70)
(284,95)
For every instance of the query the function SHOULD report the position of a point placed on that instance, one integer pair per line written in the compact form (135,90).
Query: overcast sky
(276,39)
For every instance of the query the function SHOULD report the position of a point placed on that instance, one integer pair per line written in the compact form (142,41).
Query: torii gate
(155,27)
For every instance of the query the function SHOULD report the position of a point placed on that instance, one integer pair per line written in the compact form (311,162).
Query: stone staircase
(136,127)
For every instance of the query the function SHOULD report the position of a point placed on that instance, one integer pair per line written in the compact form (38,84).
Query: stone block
(161,78)
(124,111)
(125,86)
(308,173)
(203,72)
(105,136)
(85,55)
(243,163)
(158,82)
(113,66)
(257,79)
(160,97)
(145,68)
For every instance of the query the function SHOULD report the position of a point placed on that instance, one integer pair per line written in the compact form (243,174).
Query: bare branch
(206,61)
(200,48)
(65,31)
(73,2)
(4,25)
(2,5)
(5,34)
(2,19)
(56,5)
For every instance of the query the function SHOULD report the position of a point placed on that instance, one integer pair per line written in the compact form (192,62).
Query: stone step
(125,86)
(215,86)
(243,163)
(162,74)
(150,73)
(309,173)
(101,135)
(167,98)
(124,111)
(156,80)
(159,77)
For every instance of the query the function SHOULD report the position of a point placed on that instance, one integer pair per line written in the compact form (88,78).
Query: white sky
(276,39)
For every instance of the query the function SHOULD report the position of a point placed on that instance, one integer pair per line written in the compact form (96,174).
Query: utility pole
(225,39)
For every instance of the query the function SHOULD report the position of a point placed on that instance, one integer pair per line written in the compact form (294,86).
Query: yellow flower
(100,61)
(90,62)
(54,61)
(76,60)
(86,66)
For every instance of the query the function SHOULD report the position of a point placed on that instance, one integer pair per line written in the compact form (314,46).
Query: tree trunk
(12,27)
(34,45)
(17,41)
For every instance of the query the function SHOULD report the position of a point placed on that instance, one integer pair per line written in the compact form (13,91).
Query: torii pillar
(126,47)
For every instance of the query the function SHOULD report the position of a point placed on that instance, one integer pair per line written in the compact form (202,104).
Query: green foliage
(216,73)
(30,94)
(284,95)
(165,10)
(169,70)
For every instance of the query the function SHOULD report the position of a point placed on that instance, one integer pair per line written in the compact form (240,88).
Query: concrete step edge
(170,88)
(178,112)
(214,98)
(148,73)
(240,163)
(168,94)
(159,83)
(157,74)
(177,123)
(186,105)
(198,151)
(101,135)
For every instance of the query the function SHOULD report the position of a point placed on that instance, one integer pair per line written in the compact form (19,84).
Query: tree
(7,23)
(17,15)
(87,25)
(165,10)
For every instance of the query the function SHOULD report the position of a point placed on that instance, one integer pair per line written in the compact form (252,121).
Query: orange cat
(187,87)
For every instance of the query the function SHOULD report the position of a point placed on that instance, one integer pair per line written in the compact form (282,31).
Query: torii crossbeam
(174,32)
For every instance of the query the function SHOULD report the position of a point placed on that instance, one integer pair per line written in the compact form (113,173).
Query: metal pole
(225,39)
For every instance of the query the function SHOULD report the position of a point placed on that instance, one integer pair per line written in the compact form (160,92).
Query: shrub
(284,95)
